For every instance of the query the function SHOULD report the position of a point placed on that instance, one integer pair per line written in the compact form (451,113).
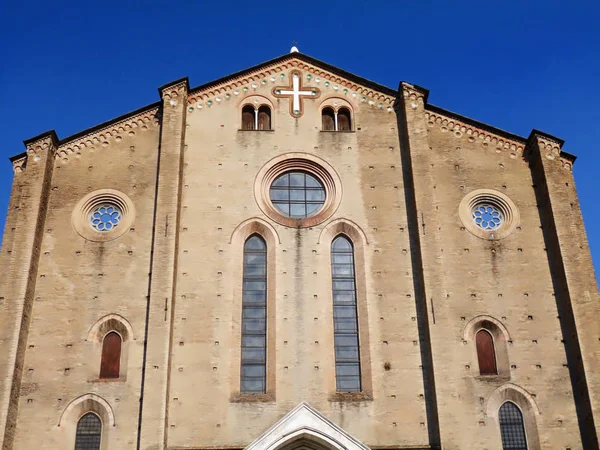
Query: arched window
(486,353)
(264,118)
(328,118)
(110,364)
(254,317)
(89,432)
(512,427)
(345,316)
(256,118)
(248,122)
(343,120)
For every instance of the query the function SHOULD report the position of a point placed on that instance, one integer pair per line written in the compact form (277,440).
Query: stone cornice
(276,73)
(413,92)
(114,131)
(463,130)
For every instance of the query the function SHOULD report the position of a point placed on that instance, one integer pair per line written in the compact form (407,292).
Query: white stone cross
(296,93)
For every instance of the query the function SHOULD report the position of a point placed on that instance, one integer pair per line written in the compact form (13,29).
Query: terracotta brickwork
(171,283)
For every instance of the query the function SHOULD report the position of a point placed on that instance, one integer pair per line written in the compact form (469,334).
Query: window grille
(297,194)
(89,432)
(345,316)
(512,428)
(254,317)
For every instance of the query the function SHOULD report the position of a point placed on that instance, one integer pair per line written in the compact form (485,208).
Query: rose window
(105,217)
(487,216)
(297,194)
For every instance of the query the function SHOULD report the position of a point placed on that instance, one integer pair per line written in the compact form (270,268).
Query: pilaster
(20,257)
(572,272)
(426,265)
(159,318)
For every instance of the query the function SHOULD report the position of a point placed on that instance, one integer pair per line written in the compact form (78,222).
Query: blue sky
(516,65)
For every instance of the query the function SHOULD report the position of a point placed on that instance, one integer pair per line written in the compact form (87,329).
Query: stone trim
(303,162)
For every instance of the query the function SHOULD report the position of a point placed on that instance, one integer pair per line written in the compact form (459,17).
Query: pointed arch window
(256,118)
(486,353)
(345,316)
(89,432)
(110,364)
(512,427)
(254,317)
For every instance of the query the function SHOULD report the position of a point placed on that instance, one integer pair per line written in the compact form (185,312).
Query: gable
(304,423)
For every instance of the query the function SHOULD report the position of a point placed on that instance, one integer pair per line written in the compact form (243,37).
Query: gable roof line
(309,59)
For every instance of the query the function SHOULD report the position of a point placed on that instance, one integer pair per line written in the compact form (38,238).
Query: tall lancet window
(254,317)
(512,428)
(89,432)
(345,316)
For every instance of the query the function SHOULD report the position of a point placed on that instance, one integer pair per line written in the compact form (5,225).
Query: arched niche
(525,402)
(501,338)
(80,406)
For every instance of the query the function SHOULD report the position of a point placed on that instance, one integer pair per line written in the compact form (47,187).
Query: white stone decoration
(306,423)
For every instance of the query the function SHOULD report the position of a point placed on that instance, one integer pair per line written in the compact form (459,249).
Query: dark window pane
(298,210)
(297,194)
(248,118)
(253,355)
(253,341)
(264,118)
(283,207)
(89,432)
(254,322)
(345,323)
(344,121)
(280,194)
(283,180)
(512,427)
(328,119)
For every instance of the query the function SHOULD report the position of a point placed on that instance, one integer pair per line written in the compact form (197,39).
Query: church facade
(296,257)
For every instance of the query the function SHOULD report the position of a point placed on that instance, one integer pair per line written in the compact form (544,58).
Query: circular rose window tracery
(105,217)
(489,214)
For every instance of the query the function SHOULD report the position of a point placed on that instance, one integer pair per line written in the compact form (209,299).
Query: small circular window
(297,194)
(105,217)
(487,216)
